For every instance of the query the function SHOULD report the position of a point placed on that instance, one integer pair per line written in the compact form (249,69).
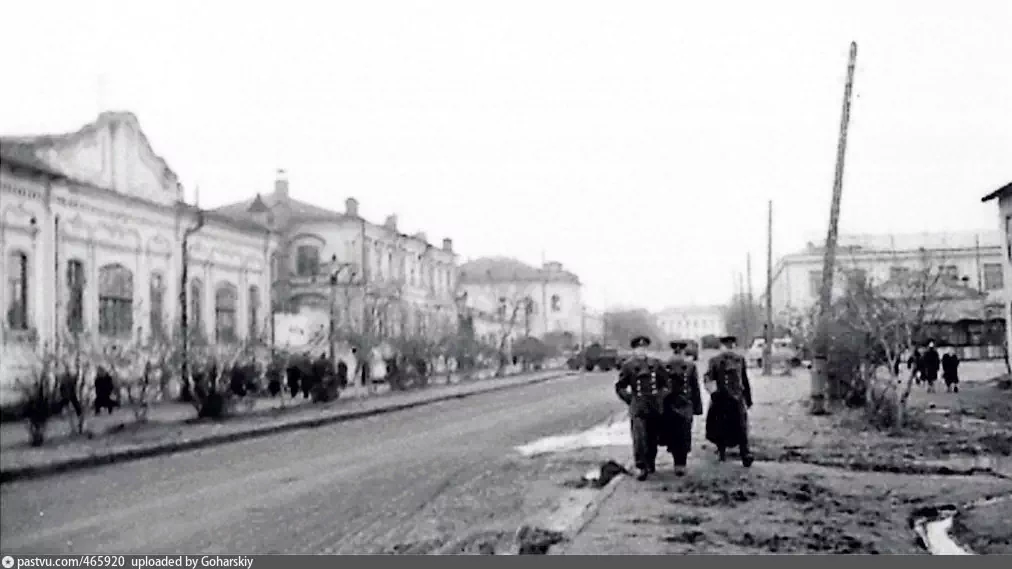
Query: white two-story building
(973,258)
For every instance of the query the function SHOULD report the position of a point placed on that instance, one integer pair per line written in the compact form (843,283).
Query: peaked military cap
(678,345)
(640,341)
(729,339)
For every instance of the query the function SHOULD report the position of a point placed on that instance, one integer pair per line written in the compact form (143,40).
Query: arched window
(115,301)
(157,293)
(530,306)
(75,296)
(225,300)
(196,313)
(17,290)
(254,312)
(556,303)
(307,260)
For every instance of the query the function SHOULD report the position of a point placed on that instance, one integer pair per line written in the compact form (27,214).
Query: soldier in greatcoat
(682,403)
(642,384)
(730,399)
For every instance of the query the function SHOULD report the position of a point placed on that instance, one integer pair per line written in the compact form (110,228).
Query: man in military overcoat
(730,399)
(642,384)
(682,403)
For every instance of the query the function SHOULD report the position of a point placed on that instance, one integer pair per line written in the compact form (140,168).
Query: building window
(75,296)
(157,318)
(898,273)
(857,278)
(196,315)
(17,287)
(949,272)
(556,303)
(530,306)
(307,261)
(993,277)
(115,301)
(225,300)
(254,312)
(814,283)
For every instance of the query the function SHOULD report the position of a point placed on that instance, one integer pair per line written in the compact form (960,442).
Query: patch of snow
(933,530)
(613,433)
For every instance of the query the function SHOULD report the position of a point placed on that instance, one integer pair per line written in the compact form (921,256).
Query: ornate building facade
(372,276)
(91,232)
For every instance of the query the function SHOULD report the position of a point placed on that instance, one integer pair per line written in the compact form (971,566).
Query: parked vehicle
(782,353)
(595,357)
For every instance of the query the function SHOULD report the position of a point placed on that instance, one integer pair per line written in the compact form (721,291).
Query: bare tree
(876,324)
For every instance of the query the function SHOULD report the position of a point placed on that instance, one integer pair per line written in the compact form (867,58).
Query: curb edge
(589,514)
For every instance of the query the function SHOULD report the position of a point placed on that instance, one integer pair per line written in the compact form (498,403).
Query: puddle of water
(615,432)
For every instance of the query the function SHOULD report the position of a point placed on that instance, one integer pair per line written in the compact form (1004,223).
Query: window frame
(115,307)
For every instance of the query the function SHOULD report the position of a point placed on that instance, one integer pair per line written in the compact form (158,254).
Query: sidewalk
(820,485)
(170,428)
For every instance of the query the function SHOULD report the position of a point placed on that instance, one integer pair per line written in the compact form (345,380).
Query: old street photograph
(565,277)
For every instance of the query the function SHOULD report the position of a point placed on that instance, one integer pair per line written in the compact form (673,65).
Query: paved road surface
(355,487)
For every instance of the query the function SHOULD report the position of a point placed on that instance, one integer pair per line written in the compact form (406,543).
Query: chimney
(391,222)
(421,237)
(552,266)
(259,210)
(351,207)
(448,245)
(281,184)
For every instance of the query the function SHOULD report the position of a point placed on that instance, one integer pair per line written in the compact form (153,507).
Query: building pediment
(111,153)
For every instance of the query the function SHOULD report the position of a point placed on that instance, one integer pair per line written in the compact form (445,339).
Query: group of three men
(663,397)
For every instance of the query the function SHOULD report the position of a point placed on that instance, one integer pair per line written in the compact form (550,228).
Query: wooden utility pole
(751,301)
(768,348)
(820,373)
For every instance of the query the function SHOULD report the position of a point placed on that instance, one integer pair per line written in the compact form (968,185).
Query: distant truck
(594,357)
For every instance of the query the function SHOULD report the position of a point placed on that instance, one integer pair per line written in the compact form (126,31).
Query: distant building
(1004,197)
(972,258)
(524,300)
(691,322)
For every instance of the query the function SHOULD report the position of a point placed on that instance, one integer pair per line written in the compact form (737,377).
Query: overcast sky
(635,142)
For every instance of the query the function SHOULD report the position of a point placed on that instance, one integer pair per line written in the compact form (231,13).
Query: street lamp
(335,273)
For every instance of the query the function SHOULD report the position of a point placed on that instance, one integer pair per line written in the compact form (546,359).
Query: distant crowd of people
(925,364)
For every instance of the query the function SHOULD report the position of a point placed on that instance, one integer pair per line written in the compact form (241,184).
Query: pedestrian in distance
(930,363)
(642,384)
(914,365)
(727,382)
(950,370)
(683,402)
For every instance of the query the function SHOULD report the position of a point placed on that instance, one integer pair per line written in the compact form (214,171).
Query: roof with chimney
(509,269)
(244,209)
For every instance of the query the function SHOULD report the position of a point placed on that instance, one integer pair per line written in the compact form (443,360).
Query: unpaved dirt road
(405,481)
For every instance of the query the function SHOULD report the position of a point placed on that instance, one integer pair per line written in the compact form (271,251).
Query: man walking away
(950,370)
(730,399)
(642,385)
(914,365)
(929,366)
(682,403)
